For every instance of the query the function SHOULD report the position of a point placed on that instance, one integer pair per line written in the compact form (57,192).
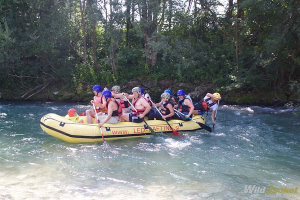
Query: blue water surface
(251,146)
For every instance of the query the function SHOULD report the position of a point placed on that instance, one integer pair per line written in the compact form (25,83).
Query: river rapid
(252,149)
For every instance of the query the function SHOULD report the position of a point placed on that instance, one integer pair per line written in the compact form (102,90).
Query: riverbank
(66,92)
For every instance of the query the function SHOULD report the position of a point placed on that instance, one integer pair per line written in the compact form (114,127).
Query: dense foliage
(252,45)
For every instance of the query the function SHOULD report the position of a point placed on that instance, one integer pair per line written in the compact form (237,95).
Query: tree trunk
(94,37)
(240,13)
(149,15)
(132,11)
(94,33)
(236,44)
(112,55)
(170,14)
(229,12)
(189,7)
(128,23)
(203,5)
(238,18)
(112,41)
(106,15)
(83,27)
(162,20)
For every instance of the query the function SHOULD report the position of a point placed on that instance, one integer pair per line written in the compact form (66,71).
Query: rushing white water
(250,146)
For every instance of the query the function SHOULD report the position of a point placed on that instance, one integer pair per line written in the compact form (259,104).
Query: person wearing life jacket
(209,102)
(141,107)
(99,102)
(184,106)
(113,107)
(148,99)
(73,116)
(153,112)
(115,91)
(167,108)
(172,98)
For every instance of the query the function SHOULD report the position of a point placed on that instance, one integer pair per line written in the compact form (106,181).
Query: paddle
(98,122)
(174,132)
(216,115)
(152,131)
(204,126)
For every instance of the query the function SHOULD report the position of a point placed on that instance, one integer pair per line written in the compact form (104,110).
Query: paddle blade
(205,127)
(152,131)
(175,132)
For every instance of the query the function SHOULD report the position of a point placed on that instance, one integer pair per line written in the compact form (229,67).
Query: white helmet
(165,95)
(116,88)
(136,89)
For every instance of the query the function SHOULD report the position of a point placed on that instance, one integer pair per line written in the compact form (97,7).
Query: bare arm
(129,96)
(189,104)
(147,106)
(109,114)
(120,95)
(157,104)
(212,96)
(170,107)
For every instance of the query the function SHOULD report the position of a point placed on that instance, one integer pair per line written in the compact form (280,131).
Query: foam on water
(3,115)
(173,144)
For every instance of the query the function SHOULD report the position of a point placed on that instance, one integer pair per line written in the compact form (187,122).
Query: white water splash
(54,108)
(173,144)
(220,134)
(196,140)
(3,115)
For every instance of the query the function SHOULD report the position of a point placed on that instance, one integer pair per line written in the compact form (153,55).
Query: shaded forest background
(57,49)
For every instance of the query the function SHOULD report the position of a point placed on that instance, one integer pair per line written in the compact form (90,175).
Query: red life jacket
(148,101)
(123,103)
(101,102)
(136,111)
(206,106)
(117,112)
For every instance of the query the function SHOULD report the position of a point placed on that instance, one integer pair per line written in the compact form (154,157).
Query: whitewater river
(251,150)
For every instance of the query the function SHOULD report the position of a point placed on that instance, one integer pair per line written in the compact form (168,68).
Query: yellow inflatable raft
(66,130)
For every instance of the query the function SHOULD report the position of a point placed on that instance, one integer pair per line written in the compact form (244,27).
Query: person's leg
(125,117)
(113,120)
(135,118)
(158,116)
(101,117)
(152,114)
(89,114)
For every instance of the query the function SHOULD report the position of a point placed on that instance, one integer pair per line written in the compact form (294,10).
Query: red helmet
(71,112)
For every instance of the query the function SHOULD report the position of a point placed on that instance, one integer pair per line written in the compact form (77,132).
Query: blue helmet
(106,94)
(180,92)
(97,88)
(168,91)
(142,91)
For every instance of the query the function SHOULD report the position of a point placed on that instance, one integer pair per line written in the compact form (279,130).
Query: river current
(251,149)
